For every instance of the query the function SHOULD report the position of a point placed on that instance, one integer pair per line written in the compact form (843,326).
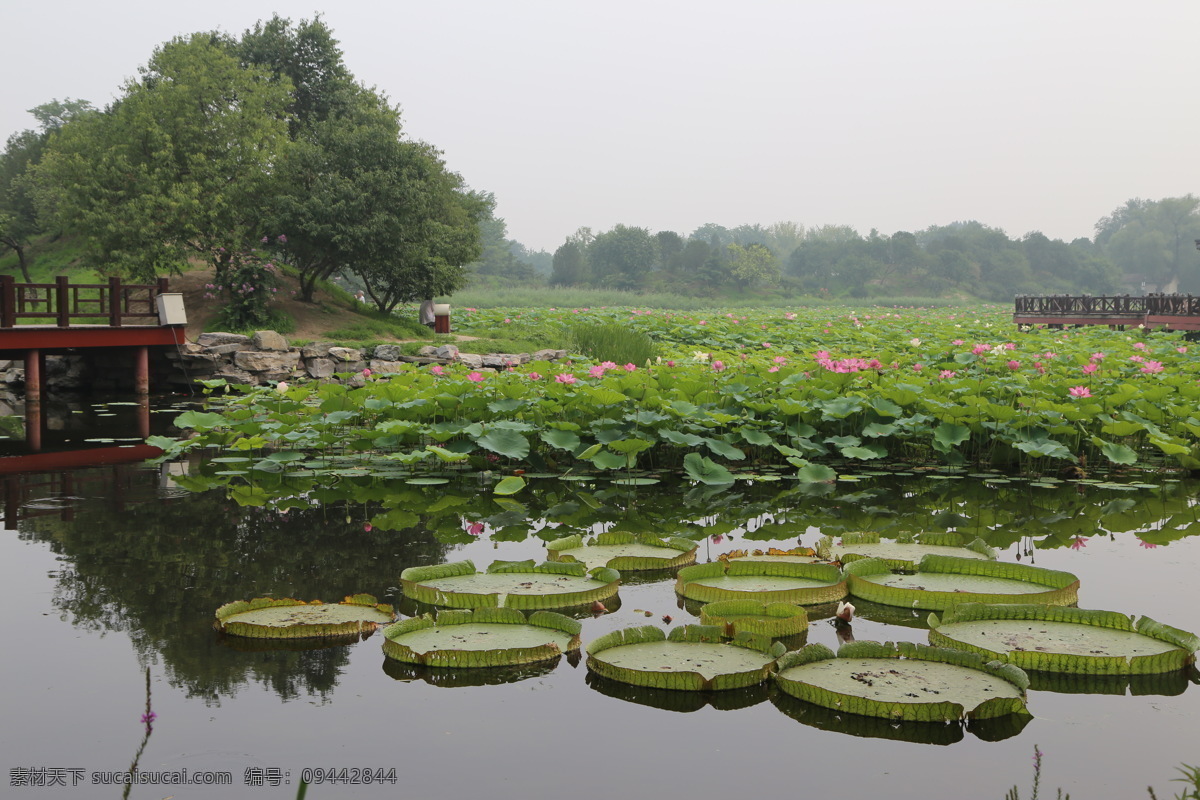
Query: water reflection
(684,702)
(455,678)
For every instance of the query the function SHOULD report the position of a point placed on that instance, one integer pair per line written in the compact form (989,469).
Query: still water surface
(126,570)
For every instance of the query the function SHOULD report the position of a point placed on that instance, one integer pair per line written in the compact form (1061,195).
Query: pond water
(124,571)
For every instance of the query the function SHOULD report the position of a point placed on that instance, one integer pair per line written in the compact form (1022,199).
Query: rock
(226,349)
(270,341)
(210,339)
(500,360)
(447,351)
(234,375)
(380,367)
(255,361)
(387,352)
(346,354)
(472,360)
(427,351)
(547,355)
(320,367)
(317,350)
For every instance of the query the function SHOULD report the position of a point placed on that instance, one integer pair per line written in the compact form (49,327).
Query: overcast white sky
(1036,115)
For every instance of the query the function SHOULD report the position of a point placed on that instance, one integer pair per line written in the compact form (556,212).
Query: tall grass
(613,342)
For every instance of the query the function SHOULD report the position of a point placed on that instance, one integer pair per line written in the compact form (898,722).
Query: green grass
(613,342)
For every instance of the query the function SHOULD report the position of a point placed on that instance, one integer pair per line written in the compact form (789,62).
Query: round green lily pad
(486,637)
(287,618)
(763,581)
(1071,640)
(625,552)
(942,582)
(692,658)
(904,552)
(903,681)
(751,616)
(512,584)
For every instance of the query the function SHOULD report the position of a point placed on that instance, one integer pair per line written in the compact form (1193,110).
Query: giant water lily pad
(622,551)
(750,616)
(763,581)
(691,658)
(942,582)
(513,584)
(905,551)
(799,555)
(903,681)
(486,637)
(1071,640)
(287,618)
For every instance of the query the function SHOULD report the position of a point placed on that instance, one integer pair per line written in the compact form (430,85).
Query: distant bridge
(1173,312)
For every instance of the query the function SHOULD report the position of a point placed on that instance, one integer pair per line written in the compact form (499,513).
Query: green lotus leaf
(942,582)
(763,581)
(510,584)
(561,439)
(816,473)
(485,637)
(288,618)
(624,551)
(505,442)
(705,470)
(749,616)
(1063,639)
(901,555)
(691,659)
(904,681)
(509,485)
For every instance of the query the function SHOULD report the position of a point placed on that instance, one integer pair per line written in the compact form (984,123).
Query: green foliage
(613,342)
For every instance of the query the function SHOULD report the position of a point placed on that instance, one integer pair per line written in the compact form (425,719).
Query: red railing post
(114,302)
(8,301)
(62,291)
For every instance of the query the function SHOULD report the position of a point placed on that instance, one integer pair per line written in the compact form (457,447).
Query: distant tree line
(225,147)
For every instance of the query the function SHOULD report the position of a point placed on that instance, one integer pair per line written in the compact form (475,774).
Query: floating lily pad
(287,618)
(749,616)
(942,582)
(486,637)
(512,584)
(763,581)
(905,551)
(903,681)
(691,658)
(798,555)
(624,551)
(1071,640)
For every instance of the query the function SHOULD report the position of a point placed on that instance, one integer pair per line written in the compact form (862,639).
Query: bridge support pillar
(141,370)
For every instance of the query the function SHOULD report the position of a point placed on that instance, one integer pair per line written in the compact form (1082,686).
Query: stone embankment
(266,357)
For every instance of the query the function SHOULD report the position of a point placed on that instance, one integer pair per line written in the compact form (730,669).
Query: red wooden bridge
(1173,312)
(37,319)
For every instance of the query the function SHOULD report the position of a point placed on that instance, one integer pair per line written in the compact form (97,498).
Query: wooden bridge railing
(62,301)
(1173,305)
(1082,304)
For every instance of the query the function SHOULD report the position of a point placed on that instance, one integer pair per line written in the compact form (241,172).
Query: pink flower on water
(718,366)
(535,376)
(946,373)
(958,343)
(475,528)
(1099,356)
(438,369)
(475,377)
(631,367)
(980,349)
(766,344)
(670,363)
(366,373)
(1138,359)
(1079,391)
(281,387)
(1139,345)
(1010,345)
(702,322)
(1041,368)
(1014,364)
(1049,355)
(780,359)
(1078,543)
(367,527)
(564,377)
(1088,369)
(775,368)
(596,371)
(608,365)
(1152,366)
(918,367)
(821,355)
(1147,545)
(789,315)
(716,538)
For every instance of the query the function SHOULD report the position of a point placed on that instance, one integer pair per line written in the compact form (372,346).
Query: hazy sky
(1036,115)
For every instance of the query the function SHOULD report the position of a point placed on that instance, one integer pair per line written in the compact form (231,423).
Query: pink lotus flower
(608,365)
(535,376)
(1099,356)
(366,373)
(1010,345)
(1147,545)
(946,373)
(631,367)
(596,371)
(1014,364)
(766,344)
(980,349)
(475,528)
(918,367)
(1049,355)
(780,359)
(1139,345)
(281,387)
(718,366)
(367,527)
(821,354)
(958,343)
(475,377)
(1181,349)
(774,368)
(1079,391)
(1152,366)
(564,377)
(789,315)
(1137,359)
(1078,543)
(1088,369)
(670,363)
(438,369)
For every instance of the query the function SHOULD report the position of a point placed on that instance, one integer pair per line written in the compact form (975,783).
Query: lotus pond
(97,592)
(1068,450)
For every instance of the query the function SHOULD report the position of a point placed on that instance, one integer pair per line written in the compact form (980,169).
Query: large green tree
(1152,242)
(179,165)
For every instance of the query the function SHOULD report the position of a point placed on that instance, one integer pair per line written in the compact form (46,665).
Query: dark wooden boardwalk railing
(1169,311)
(59,303)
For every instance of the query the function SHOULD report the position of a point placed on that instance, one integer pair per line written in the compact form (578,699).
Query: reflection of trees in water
(158,569)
